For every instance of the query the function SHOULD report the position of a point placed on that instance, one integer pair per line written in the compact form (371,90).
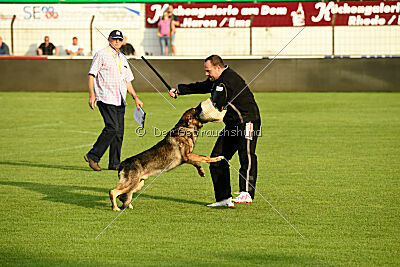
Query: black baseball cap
(116,34)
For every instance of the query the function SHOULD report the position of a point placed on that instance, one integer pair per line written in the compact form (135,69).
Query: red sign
(270,14)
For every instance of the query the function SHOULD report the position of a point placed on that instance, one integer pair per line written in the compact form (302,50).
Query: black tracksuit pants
(230,140)
(111,136)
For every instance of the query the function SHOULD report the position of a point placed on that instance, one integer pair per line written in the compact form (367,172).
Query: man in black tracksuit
(242,126)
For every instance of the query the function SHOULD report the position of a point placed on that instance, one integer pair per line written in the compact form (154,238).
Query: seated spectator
(75,49)
(126,48)
(3,48)
(46,48)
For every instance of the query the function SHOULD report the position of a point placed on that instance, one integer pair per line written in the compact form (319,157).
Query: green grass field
(328,161)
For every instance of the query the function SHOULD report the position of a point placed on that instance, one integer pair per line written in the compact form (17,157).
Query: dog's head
(191,119)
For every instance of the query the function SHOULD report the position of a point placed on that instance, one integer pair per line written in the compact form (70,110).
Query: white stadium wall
(33,23)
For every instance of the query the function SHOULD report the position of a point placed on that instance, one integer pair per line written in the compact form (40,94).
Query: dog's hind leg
(127,203)
(128,200)
(119,190)
(122,197)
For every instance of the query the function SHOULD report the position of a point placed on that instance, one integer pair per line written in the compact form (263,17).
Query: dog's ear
(185,119)
(195,118)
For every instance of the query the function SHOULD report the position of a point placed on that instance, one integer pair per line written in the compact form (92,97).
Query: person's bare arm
(132,92)
(159,31)
(56,50)
(172,27)
(92,96)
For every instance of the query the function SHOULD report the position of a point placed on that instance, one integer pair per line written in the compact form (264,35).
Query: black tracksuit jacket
(228,90)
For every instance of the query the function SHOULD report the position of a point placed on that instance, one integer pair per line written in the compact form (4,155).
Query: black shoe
(116,168)
(92,164)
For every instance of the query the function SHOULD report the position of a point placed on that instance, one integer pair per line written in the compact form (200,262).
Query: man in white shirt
(75,49)
(110,79)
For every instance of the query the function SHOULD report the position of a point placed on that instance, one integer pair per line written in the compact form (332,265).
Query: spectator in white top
(75,49)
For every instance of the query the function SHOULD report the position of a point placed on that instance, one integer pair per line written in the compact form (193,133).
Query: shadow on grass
(68,194)
(15,257)
(237,258)
(75,195)
(267,258)
(42,165)
(192,202)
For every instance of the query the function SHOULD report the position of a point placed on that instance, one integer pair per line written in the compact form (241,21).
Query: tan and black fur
(175,149)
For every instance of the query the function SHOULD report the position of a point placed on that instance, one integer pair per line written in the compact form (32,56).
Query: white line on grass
(82,132)
(119,214)
(32,126)
(255,77)
(273,207)
(139,71)
(48,150)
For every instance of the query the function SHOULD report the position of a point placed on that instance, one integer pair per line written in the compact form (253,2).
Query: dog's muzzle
(209,113)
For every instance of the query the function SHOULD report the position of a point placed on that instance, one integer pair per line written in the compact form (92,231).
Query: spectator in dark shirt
(3,48)
(126,48)
(46,48)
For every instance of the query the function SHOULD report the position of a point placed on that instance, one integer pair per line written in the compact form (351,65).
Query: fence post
(251,35)
(91,35)
(333,34)
(12,34)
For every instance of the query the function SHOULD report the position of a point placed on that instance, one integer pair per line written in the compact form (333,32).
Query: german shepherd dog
(174,150)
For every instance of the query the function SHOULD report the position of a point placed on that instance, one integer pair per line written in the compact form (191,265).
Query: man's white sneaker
(243,197)
(223,203)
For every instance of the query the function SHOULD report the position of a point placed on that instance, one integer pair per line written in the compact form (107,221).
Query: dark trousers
(230,140)
(111,136)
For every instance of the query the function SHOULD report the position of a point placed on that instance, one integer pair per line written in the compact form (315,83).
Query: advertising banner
(67,15)
(131,1)
(282,14)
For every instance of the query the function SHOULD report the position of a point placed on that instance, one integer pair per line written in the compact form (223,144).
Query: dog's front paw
(201,172)
(216,159)
(116,209)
